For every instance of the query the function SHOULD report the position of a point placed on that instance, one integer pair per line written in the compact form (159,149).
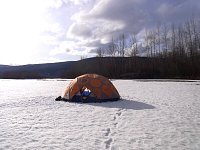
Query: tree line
(173,49)
(160,41)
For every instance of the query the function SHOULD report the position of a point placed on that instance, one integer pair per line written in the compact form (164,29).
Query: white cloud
(71,48)
(110,18)
(164,9)
(78,2)
(79,30)
(64,47)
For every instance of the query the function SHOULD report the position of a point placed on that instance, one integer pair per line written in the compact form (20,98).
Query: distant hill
(49,70)
(111,67)
(108,66)
(3,67)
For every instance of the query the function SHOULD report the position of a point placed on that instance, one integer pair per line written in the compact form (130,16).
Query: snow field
(152,114)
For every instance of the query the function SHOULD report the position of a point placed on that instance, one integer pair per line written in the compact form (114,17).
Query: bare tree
(99,52)
(165,39)
(180,42)
(173,39)
(153,34)
(159,39)
(151,42)
(147,43)
(133,46)
(121,45)
(112,48)
(195,36)
(83,57)
(189,38)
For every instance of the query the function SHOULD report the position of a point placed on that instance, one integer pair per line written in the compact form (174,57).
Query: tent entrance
(84,95)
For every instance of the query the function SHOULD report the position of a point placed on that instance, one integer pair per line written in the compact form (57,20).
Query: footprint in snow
(107,132)
(108,143)
(119,113)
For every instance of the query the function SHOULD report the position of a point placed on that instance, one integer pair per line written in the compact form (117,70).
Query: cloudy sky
(40,31)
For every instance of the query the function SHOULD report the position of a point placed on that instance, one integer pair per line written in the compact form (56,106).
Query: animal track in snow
(108,143)
(107,132)
(116,117)
(119,113)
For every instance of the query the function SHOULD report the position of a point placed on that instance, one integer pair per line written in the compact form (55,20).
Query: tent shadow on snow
(124,104)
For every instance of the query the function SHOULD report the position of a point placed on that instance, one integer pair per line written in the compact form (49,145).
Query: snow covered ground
(154,114)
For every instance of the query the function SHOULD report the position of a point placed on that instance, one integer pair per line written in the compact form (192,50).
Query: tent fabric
(100,86)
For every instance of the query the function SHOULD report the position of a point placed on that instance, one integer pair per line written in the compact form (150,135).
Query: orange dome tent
(101,88)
